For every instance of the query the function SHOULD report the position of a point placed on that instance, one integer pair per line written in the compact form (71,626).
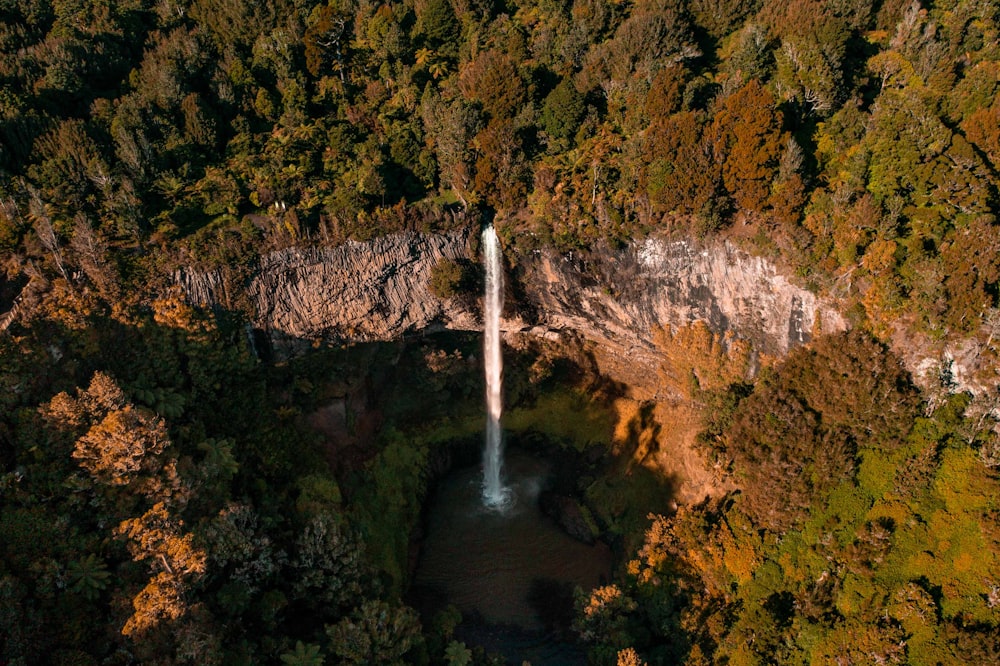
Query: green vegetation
(165,503)
(451,278)
(855,141)
(864,530)
(569,416)
(162,494)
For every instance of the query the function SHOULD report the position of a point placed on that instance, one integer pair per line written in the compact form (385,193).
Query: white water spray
(495,494)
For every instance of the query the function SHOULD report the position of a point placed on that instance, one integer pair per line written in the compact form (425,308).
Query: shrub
(449,278)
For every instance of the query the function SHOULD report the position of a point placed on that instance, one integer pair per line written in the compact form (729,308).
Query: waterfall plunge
(495,494)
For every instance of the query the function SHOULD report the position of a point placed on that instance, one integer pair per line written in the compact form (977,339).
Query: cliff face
(625,295)
(362,292)
(379,291)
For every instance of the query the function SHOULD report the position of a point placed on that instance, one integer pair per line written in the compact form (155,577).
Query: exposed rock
(954,365)
(618,298)
(623,296)
(379,291)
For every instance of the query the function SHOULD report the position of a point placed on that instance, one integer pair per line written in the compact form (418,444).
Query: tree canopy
(157,479)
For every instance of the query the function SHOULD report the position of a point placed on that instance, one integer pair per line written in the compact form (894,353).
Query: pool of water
(510,573)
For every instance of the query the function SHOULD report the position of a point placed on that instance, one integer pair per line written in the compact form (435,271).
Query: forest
(163,499)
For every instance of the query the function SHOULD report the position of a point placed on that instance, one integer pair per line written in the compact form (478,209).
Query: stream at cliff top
(511,574)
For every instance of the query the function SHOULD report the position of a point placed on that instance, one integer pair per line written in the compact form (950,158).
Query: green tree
(437,24)
(812,59)
(650,35)
(722,17)
(562,111)
(304,654)
(88,576)
(448,278)
(375,633)
(457,654)
(603,617)
(329,565)
(450,126)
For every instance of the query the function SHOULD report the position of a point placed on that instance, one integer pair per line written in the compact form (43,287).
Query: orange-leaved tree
(746,139)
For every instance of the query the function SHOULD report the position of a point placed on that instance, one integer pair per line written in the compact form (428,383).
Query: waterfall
(495,494)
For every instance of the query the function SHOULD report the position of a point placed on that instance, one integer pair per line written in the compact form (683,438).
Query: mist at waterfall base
(495,494)
(511,573)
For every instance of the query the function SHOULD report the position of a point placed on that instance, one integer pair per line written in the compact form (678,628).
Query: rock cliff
(362,292)
(379,291)
(624,295)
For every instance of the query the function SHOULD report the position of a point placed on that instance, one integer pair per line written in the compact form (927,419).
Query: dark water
(511,574)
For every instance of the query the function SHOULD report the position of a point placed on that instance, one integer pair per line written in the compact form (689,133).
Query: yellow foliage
(856,642)
(65,411)
(741,553)
(696,657)
(160,600)
(895,510)
(741,654)
(603,598)
(696,359)
(790,569)
(880,256)
(962,482)
(173,311)
(915,609)
(963,561)
(102,396)
(882,304)
(68,307)
(157,536)
(125,442)
(655,550)
(629,657)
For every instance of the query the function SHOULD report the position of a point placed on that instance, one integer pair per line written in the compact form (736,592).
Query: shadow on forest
(205,377)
